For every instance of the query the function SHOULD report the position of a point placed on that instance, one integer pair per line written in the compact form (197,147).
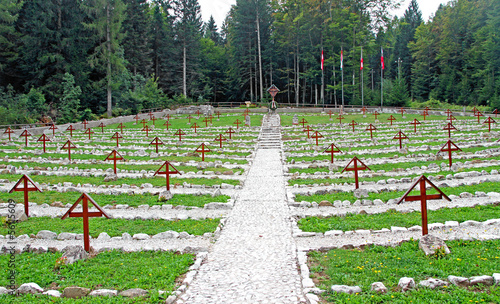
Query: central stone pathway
(254,259)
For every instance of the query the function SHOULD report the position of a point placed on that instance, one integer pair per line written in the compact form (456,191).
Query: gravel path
(254,260)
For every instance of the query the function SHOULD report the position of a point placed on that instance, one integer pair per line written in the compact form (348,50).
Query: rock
(52,293)
(46,235)
(325,204)
(103,293)
(433,283)
(103,236)
(57,204)
(140,236)
(32,288)
(110,178)
(406,283)
(458,281)
(334,232)
(3,290)
(126,236)
(66,236)
(359,193)
(20,216)
(229,172)
(481,280)
(165,196)
(496,277)
(75,292)
(217,206)
(166,235)
(216,193)
(379,287)
(73,253)
(430,243)
(134,292)
(346,289)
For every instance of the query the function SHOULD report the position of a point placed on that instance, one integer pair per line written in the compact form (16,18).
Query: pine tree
(9,12)
(212,32)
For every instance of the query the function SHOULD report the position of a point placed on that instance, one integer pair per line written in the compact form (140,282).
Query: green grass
(151,270)
(113,227)
(389,264)
(393,218)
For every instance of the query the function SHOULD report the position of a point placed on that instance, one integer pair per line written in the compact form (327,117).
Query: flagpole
(342,72)
(362,91)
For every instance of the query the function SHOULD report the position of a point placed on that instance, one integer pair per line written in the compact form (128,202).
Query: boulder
(165,196)
(216,193)
(481,280)
(3,290)
(166,235)
(430,243)
(103,236)
(75,292)
(73,253)
(52,293)
(103,293)
(346,289)
(360,193)
(20,216)
(141,236)
(378,287)
(32,288)
(458,281)
(57,204)
(66,236)
(217,206)
(325,204)
(406,283)
(46,235)
(433,283)
(496,277)
(134,292)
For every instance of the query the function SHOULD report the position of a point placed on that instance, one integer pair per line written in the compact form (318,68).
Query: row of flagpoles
(361,69)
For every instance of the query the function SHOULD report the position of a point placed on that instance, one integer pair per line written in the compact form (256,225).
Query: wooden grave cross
(68,146)
(156,141)
(451,118)
(85,123)
(198,113)
(146,129)
(489,121)
(25,134)
(202,151)
(363,109)
(353,124)
(449,147)
(167,172)
(53,128)
(391,118)
(89,132)
(423,198)
(330,113)
(400,136)
(237,123)
(206,120)
(180,133)
(26,181)
(189,118)
(332,149)
(425,113)
(475,110)
(43,139)
(303,122)
(415,122)
(246,112)
(167,116)
(340,117)
(495,112)
(85,214)
(230,131)
(151,115)
(316,135)
(167,124)
(121,126)
(449,127)
(211,118)
(70,129)
(101,125)
(356,168)
(195,126)
(308,129)
(371,128)
(402,110)
(136,118)
(117,136)
(153,119)
(478,114)
(376,114)
(9,132)
(220,138)
(448,112)
(144,122)
(114,156)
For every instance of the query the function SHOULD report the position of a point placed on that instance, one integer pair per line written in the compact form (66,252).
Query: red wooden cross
(189,118)
(449,127)
(478,114)
(391,118)
(376,114)
(451,118)
(167,124)
(117,136)
(352,124)
(206,120)
(332,149)
(415,122)
(70,129)
(449,147)
(146,129)
(102,125)
(425,113)
(85,214)
(85,123)
(308,129)
(202,151)
(43,139)
(121,126)
(363,110)
(400,136)
(303,122)
(246,112)
(25,134)
(153,119)
(220,138)
(26,182)
(423,197)
(144,122)
(340,117)
(167,116)
(237,123)
(489,121)
(495,112)
(53,128)
(8,131)
(371,128)
(167,172)
(180,133)
(210,117)
(218,114)
(68,146)
(356,168)
(89,132)
(136,118)
(198,113)
(448,112)
(156,141)
(402,110)
(151,115)
(330,113)
(230,131)
(195,126)
(317,136)
(475,110)
(114,156)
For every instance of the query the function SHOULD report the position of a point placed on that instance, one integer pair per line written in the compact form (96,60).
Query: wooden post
(202,151)
(332,149)
(400,136)
(391,118)
(26,182)
(371,128)
(179,133)
(230,131)
(117,136)
(25,134)
(156,141)
(68,146)
(114,156)
(70,129)
(43,139)
(167,172)
(356,168)
(448,148)
(9,132)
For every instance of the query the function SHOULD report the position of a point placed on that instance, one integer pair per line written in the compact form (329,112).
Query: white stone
(103,236)
(46,235)
(141,236)
(406,283)
(26,288)
(52,293)
(378,287)
(346,289)
(103,293)
(433,283)
(481,280)
(496,277)
(166,235)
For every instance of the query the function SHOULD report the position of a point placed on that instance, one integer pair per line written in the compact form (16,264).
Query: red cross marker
(448,112)
(391,118)
(356,168)
(25,134)
(376,114)
(167,116)
(220,138)
(136,118)
(425,113)
(153,119)
(330,113)
(402,110)
(489,121)
(68,146)
(308,129)
(114,156)
(449,127)
(179,133)
(218,114)
(371,128)
(121,126)
(89,132)
(198,113)
(85,123)
(478,114)
(495,112)
(363,110)
(230,131)
(102,125)
(449,147)
(8,131)
(117,136)
(475,110)
(206,120)
(202,151)
(340,117)
(246,112)
(146,129)
(26,182)
(53,128)
(332,149)
(415,122)
(303,122)
(43,139)
(85,214)
(189,118)
(168,124)
(237,123)
(316,135)
(451,118)
(195,126)
(151,115)
(70,129)
(353,124)
(210,117)
(167,172)
(400,136)
(423,197)
(144,122)
(156,141)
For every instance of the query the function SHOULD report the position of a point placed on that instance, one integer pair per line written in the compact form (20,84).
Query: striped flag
(361,64)
(382,58)
(341,59)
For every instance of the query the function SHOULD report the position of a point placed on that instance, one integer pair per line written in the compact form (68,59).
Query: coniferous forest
(82,59)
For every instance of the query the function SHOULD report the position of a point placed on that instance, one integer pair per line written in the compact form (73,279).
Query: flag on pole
(361,64)
(341,59)
(322,60)
(382,58)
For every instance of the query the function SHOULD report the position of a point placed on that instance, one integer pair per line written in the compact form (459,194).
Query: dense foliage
(70,59)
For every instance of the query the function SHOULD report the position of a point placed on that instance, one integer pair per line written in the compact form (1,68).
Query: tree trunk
(260,56)
(297,73)
(184,72)
(108,57)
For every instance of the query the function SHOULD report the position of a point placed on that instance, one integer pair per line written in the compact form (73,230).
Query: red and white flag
(382,58)
(322,60)
(361,64)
